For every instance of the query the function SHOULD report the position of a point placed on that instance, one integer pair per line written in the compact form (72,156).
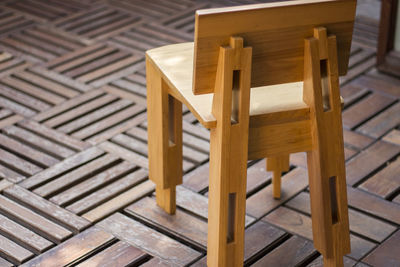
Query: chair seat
(268,104)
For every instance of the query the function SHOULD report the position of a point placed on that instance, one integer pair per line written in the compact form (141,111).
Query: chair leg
(164,139)
(325,161)
(277,165)
(227,205)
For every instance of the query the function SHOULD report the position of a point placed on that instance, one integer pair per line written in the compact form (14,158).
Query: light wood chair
(264,79)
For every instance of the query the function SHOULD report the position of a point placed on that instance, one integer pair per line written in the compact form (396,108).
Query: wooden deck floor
(73,152)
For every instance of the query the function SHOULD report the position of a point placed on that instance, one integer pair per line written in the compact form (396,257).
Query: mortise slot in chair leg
(171,121)
(326,98)
(231,218)
(334,204)
(235,96)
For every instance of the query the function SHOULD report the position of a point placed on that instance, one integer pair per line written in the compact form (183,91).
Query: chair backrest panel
(276,32)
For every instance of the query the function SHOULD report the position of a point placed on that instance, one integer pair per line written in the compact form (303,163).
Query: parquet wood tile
(74,187)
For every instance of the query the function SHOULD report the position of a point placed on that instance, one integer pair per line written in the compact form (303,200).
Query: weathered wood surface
(74,186)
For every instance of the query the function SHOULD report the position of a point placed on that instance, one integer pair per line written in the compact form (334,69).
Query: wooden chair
(290,54)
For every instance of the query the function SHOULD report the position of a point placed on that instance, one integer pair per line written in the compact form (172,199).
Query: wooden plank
(300,224)
(360,223)
(385,182)
(120,201)
(363,110)
(89,185)
(69,104)
(108,122)
(382,123)
(149,240)
(386,254)
(347,262)
(108,192)
(39,158)
(258,237)
(23,236)
(356,140)
(46,208)
(73,249)
(197,204)
(182,225)
(62,167)
(369,160)
(76,175)
(119,254)
(81,110)
(292,183)
(374,205)
(18,164)
(291,253)
(32,220)
(393,137)
(94,116)
(55,136)
(13,252)
(39,143)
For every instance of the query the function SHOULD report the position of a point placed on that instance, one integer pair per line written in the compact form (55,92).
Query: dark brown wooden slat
(79,100)
(24,99)
(300,224)
(386,254)
(15,107)
(393,137)
(94,116)
(75,62)
(258,237)
(18,164)
(5,263)
(108,122)
(108,192)
(382,123)
(48,84)
(149,240)
(13,252)
(292,252)
(359,223)
(374,205)
(28,49)
(347,262)
(34,90)
(81,110)
(385,182)
(39,158)
(380,83)
(61,79)
(93,65)
(87,186)
(55,136)
(23,236)
(369,160)
(46,208)
(197,179)
(181,225)
(119,254)
(292,183)
(197,204)
(78,174)
(365,109)
(62,167)
(120,201)
(117,129)
(72,249)
(31,220)
(356,140)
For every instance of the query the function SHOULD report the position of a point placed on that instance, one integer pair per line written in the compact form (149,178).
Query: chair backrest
(276,32)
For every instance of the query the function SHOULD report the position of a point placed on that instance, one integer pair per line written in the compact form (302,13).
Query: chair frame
(234,140)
